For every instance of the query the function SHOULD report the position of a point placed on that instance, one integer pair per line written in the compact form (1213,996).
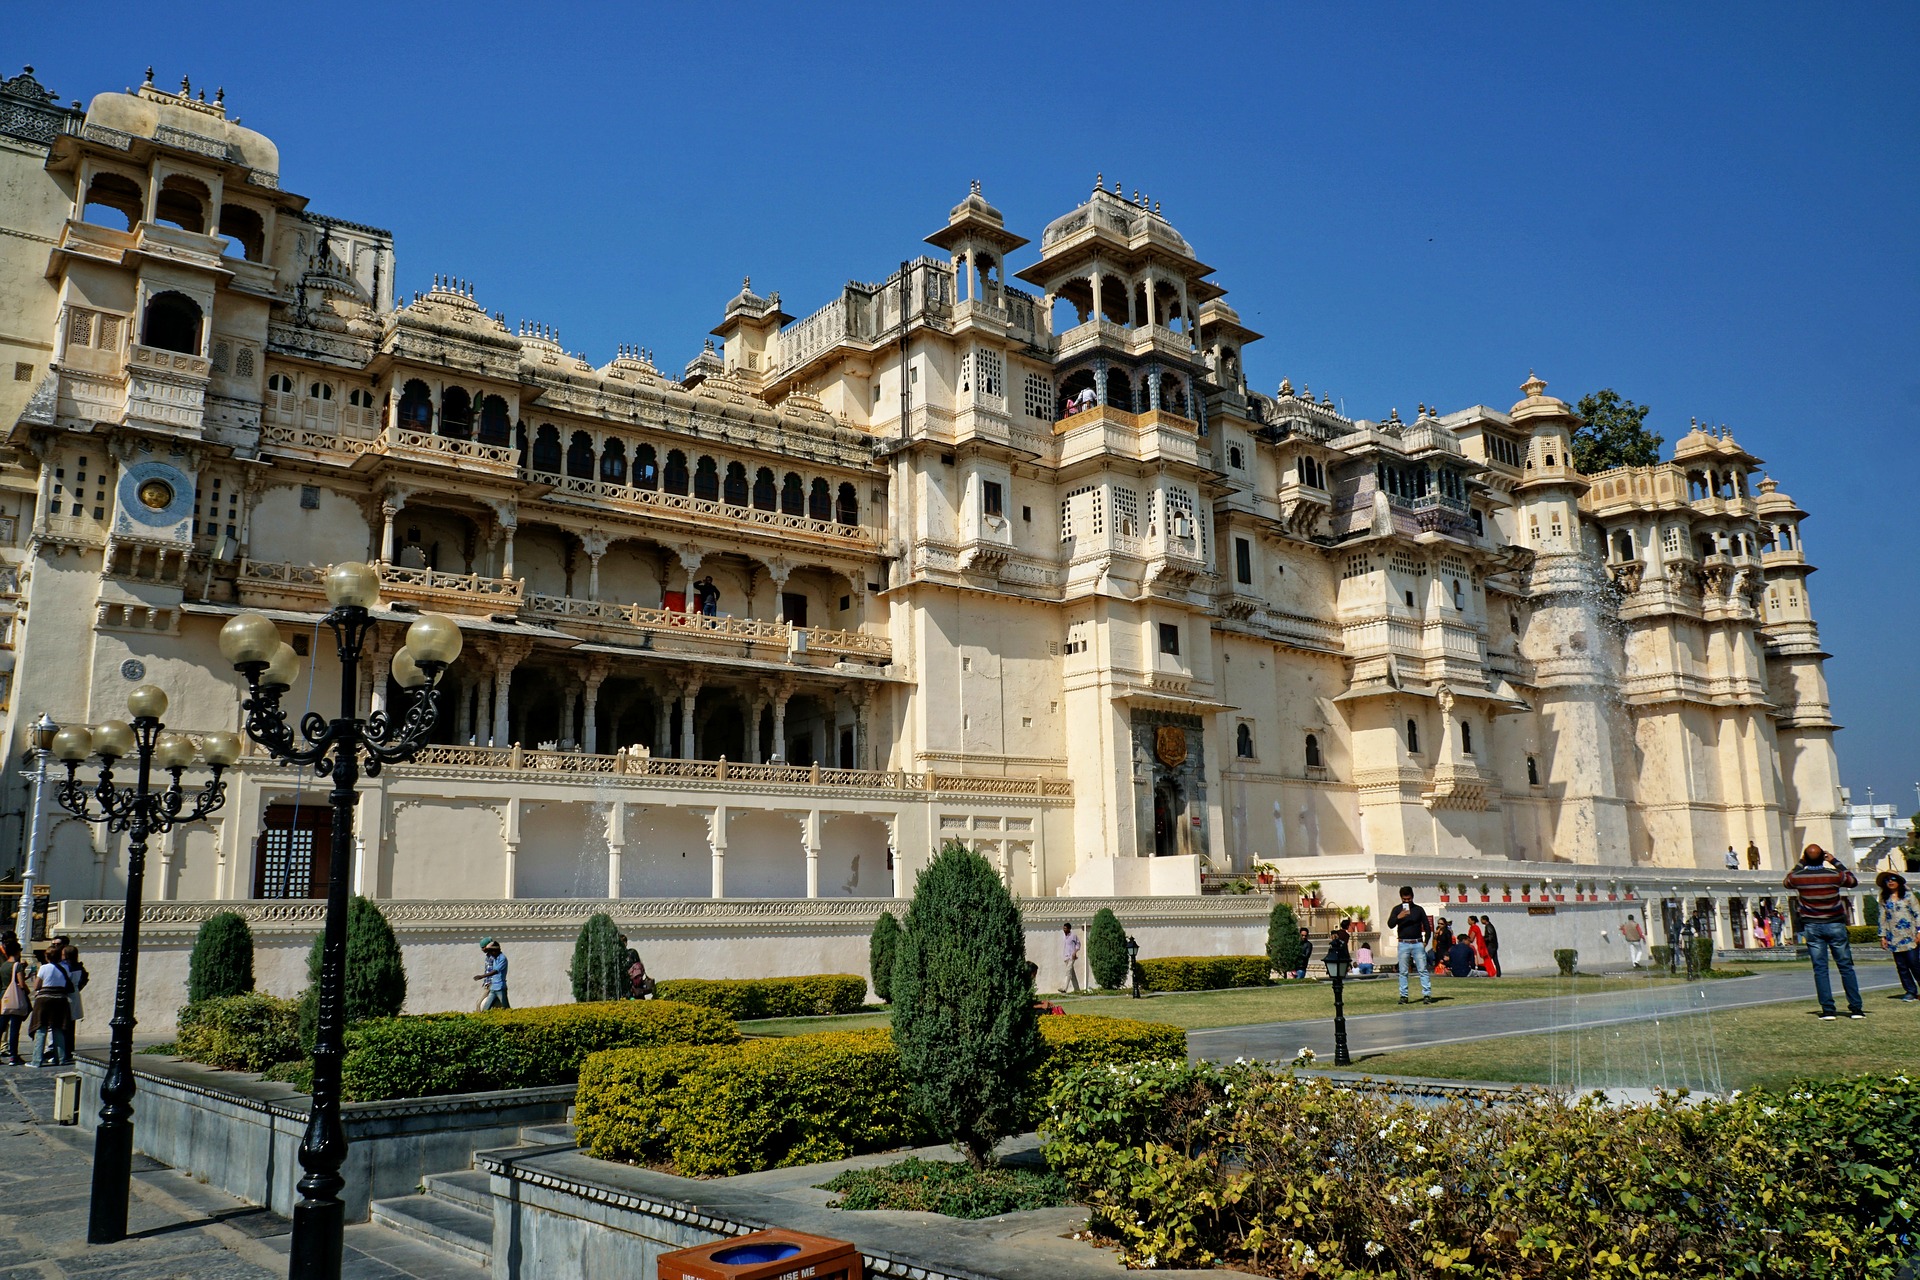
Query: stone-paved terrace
(178,1228)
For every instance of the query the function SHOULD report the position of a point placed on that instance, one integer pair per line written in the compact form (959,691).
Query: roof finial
(220,96)
(1099,179)
(186,88)
(746,284)
(1156,208)
(976,186)
(149,80)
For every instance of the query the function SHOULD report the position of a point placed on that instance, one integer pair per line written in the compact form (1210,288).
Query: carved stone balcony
(467,455)
(165,389)
(670,630)
(295,586)
(704,513)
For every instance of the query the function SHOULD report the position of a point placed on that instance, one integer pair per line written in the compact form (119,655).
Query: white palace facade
(1033,567)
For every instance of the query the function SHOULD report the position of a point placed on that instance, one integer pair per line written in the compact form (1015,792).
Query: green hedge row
(1868,933)
(795,1100)
(744,999)
(240,1033)
(1205,973)
(1194,1165)
(425,1055)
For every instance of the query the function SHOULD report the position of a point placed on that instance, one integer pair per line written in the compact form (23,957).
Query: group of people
(1769,927)
(1817,881)
(1429,946)
(1753,857)
(42,995)
(493,973)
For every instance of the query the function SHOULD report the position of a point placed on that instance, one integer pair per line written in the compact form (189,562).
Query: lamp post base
(318,1244)
(112,1177)
(1340,1058)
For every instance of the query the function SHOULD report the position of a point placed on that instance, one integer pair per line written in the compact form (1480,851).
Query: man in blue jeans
(1412,926)
(1817,881)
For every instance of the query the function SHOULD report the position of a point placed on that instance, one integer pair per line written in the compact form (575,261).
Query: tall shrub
(881,946)
(1283,938)
(1107,949)
(376,976)
(222,959)
(599,969)
(963,1016)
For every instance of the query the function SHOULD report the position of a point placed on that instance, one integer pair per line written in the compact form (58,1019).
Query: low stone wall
(678,937)
(242,1135)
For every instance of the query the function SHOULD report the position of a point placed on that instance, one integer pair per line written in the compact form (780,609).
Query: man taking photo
(1412,926)
(1817,881)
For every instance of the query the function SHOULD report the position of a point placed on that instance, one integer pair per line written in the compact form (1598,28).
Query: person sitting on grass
(1460,958)
(1363,960)
(1033,981)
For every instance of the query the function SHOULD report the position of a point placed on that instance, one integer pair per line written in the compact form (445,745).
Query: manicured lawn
(1287,1002)
(1765,1045)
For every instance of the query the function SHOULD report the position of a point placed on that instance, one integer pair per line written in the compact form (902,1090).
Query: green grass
(1762,1046)
(1245,1006)
(944,1186)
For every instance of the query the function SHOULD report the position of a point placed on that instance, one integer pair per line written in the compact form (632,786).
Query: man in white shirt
(1070,955)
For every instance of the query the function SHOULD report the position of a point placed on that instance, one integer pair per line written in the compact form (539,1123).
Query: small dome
(1114,212)
(975,206)
(145,113)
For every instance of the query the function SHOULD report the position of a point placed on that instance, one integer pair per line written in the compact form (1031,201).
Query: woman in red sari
(1479,942)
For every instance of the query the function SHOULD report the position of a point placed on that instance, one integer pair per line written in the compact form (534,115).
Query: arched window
(1786,538)
(1313,752)
(646,469)
(580,456)
(1234,457)
(706,478)
(1413,738)
(793,497)
(1623,545)
(244,227)
(847,510)
(820,500)
(1466,737)
(280,398)
(1706,546)
(172,323)
(613,462)
(319,411)
(416,406)
(111,199)
(456,414)
(493,421)
(1173,395)
(1076,393)
(1243,741)
(676,472)
(546,449)
(1533,772)
(520,443)
(734,491)
(763,492)
(183,203)
(1119,391)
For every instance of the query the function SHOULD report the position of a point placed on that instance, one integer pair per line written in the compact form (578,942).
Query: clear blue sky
(1714,209)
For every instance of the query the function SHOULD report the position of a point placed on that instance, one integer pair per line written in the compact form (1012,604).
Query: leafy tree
(1107,949)
(1283,938)
(599,969)
(963,1016)
(376,984)
(1612,433)
(222,959)
(881,946)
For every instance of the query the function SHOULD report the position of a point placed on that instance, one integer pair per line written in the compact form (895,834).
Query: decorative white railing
(395,580)
(399,440)
(720,627)
(316,440)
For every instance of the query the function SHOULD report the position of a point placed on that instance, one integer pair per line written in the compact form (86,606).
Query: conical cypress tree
(963,1016)
(1283,939)
(1107,950)
(881,945)
(222,959)
(376,984)
(599,969)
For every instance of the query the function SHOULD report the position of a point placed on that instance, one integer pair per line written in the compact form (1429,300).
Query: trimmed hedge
(222,960)
(240,1033)
(1192,1165)
(1702,949)
(772,1103)
(429,1054)
(744,999)
(1107,950)
(1205,973)
(1864,933)
(1567,959)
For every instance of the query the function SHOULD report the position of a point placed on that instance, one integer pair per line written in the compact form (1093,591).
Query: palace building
(1033,567)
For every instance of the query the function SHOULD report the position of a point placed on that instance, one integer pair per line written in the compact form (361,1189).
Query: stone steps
(453,1212)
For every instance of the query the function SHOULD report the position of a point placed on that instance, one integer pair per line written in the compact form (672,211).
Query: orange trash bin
(765,1255)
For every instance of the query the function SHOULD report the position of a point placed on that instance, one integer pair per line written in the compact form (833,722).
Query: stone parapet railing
(705,510)
(494,459)
(428,586)
(721,628)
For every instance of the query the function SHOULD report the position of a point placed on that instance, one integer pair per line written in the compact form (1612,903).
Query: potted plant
(1486,892)
(1506,893)
(1526,893)
(1264,872)
(1312,889)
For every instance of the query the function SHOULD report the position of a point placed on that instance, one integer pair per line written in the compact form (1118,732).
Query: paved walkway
(179,1229)
(1419,1026)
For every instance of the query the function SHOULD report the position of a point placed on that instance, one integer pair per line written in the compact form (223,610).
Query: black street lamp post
(334,749)
(141,812)
(1337,962)
(1133,965)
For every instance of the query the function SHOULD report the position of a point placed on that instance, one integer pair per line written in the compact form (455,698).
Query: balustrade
(653,501)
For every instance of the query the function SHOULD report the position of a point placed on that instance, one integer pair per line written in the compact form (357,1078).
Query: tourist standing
(1817,881)
(1733,859)
(52,1019)
(16,996)
(494,994)
(1492,936)
(1900,929)
(1477,938)
(1306,953)
(1411,928)
(1070,956)
(1636,939)
(1753,856)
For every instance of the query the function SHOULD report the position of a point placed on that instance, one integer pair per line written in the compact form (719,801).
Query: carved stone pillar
(509,658)
(689,695)
(663,723)
(389,508)
(717,848)
(569,705)
(780,724)
(594,543)
(483,712)
(758,705)
(462,712)
(810,841)
(507,530)
(595,676)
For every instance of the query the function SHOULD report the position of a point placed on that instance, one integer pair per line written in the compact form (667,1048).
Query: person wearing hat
(494,995)
(1900,929)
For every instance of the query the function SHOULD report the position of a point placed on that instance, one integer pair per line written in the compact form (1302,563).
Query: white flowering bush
(1189,1165)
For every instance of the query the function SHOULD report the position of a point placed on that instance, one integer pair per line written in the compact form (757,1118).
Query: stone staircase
(453,1212)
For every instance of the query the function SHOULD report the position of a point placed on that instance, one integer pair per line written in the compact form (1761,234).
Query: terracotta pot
(1506,897)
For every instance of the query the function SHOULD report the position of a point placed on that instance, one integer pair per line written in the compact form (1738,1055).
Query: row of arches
(700,477)
(1085,388)
(117,201)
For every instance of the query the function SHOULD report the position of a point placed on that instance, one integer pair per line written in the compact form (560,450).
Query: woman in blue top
(1900,929)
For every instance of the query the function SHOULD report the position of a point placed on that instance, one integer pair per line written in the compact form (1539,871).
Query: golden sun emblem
(156,495)
(1170,745)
